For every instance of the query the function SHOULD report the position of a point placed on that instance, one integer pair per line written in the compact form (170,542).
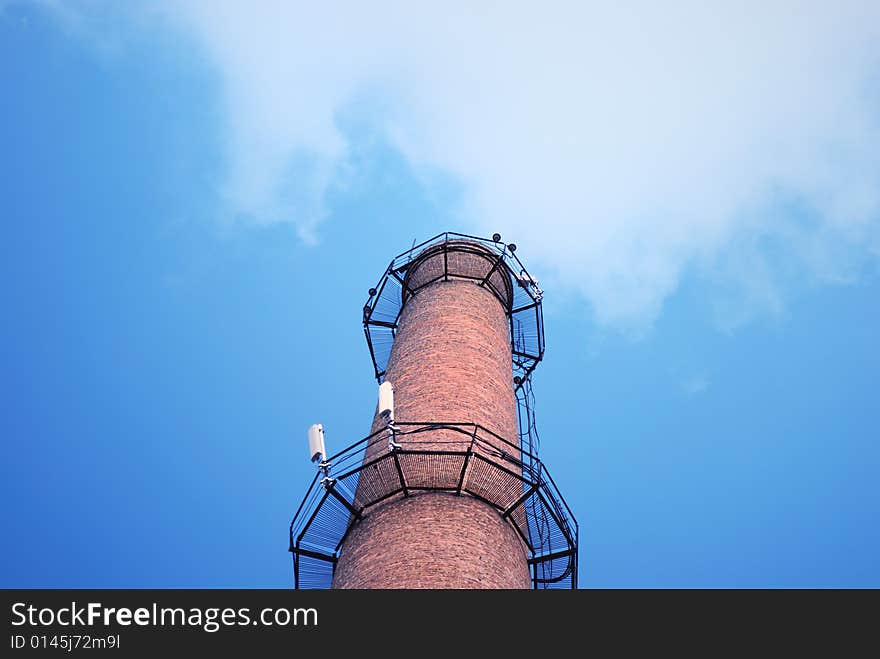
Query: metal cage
(473,462)
(521,300)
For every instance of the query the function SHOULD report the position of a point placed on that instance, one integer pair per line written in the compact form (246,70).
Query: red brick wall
(433,540)
(450,362)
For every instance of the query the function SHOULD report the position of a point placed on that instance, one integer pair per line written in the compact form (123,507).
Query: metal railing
(463,459)
(521,301)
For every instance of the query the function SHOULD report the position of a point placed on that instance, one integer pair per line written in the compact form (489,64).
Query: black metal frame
(473,461)
(522,303)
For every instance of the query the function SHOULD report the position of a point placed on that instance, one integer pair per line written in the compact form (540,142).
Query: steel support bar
(354,511)
(525,307)
(402,282)
(372,352)
(400,474)
(464,466)
(381,323)
(314,554)
(553,556)
(492,270)
(312,516)
(518,502)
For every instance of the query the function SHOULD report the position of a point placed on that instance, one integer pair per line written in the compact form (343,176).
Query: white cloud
(619,143)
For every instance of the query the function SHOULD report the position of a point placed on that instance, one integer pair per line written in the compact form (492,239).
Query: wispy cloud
(624,143)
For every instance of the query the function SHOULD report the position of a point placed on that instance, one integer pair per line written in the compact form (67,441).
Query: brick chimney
(450,362)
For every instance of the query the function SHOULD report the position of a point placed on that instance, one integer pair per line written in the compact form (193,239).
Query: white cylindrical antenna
(317,451)
(386,400)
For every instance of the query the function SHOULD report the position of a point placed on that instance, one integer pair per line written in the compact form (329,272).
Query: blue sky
(188,244)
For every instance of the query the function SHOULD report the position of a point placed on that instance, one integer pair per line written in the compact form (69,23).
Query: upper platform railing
(505,276)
